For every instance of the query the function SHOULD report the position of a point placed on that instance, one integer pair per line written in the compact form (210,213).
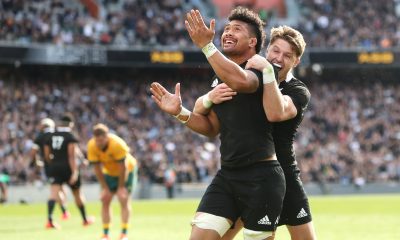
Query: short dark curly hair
(253,20)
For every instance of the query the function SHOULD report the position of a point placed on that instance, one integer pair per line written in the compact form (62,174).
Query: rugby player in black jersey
(60,153)
(250,183)
(47,127)
(285,101)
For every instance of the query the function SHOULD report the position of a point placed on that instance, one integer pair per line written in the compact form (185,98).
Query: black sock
(63,208)
(50,208)
(83,212)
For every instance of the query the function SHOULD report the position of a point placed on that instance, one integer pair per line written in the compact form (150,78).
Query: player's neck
(287,77)
(105,146)
(239,59)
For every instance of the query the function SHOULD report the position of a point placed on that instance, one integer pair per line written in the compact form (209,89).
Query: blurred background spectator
(137,23)
(350,134)
(350,131)
(350,23)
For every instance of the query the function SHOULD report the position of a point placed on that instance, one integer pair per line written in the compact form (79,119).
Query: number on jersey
(56,142)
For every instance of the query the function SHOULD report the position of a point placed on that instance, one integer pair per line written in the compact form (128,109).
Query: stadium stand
(350,23)
(121,103)
(355,139)
(121,23)
(351,130)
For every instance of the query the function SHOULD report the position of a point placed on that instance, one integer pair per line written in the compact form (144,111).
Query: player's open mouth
(229,42)
(277,65)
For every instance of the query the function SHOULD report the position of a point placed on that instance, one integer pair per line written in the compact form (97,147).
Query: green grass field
(369,217)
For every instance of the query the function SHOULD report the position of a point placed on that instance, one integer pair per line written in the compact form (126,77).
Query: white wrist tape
(209,49)
(268,74)
(207,103)
(184,112)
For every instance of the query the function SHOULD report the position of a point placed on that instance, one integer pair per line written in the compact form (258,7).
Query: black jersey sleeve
(47,140)
(259,76)
(37,140)
(300,97)
(73,138)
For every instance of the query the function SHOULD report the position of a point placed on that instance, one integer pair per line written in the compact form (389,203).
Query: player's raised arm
(277,107)
(172,104)
(227,70)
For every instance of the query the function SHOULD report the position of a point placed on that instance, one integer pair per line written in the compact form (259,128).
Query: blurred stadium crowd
(325,23)
(120,23)
(350,23)
(157,140)
(351,131)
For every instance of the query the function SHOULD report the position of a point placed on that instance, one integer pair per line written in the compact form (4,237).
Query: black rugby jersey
(41,139)
(58,143)
(284,132)
(245,132)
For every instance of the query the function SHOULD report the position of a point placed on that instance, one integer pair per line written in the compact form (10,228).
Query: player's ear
(253,42)
(296,62)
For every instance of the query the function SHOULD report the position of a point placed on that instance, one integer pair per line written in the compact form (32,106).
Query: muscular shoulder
(91,146)
(39,139)
(70,137)
(298,92)
(116,143)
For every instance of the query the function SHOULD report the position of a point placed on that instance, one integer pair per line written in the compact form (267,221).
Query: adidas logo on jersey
(264,221)
(302,213)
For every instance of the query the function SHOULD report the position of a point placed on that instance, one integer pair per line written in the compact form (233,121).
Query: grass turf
(335,217)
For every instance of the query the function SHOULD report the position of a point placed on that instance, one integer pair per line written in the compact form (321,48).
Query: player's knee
(106,200)
(258,235)
(123,198)
(212,222)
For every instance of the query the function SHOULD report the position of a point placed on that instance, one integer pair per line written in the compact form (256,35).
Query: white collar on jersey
(48,130)
(64,129)
(289,76)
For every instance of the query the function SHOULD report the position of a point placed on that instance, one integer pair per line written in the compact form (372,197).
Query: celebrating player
(250,183)
(47,127)
(59,152)
(290,97)
(115,170)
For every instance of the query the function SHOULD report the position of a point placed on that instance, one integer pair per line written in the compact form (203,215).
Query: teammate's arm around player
(227,70)
(277,107)
(219,94)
